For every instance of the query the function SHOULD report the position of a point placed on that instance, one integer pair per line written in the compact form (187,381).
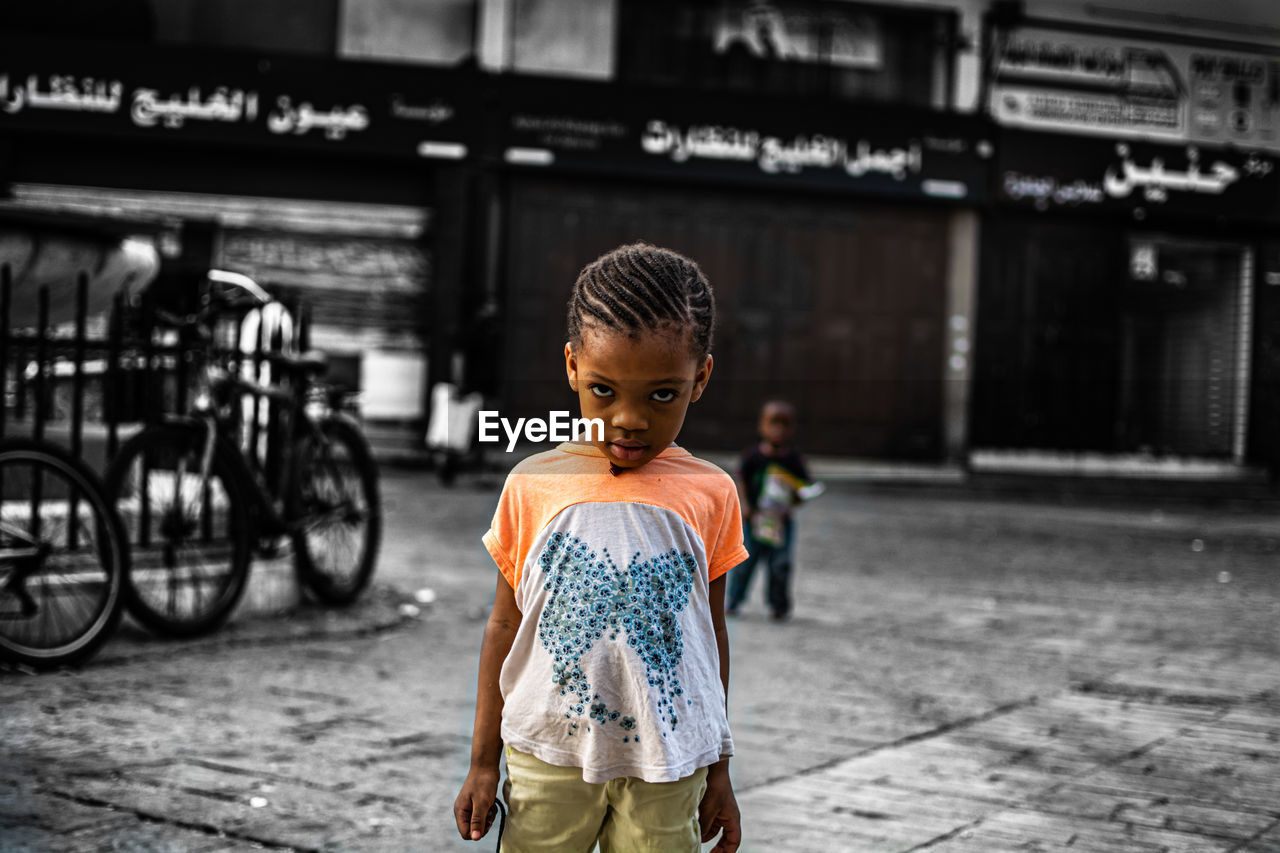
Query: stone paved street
(964,673)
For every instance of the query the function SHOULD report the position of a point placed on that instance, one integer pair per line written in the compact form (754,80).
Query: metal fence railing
(88,381)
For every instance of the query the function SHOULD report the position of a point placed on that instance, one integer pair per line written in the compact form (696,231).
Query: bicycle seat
(309,364)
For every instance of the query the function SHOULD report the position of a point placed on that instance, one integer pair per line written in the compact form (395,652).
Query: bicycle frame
(211,412)
(271,501)
(257,460)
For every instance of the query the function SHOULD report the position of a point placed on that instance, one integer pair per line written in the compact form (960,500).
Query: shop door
(1046,367)
(836,307)
(1185,347)
(1264,380)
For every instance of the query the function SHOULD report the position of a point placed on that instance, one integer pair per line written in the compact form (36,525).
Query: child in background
(772,479)
(605,661)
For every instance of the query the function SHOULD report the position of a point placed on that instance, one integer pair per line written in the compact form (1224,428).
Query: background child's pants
(551,810)
(777,562)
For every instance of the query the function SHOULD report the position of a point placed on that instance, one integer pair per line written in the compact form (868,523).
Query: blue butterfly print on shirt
(589,598)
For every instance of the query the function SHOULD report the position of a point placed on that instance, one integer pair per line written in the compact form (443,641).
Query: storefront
(829,236)
(1129,264)
(320,179)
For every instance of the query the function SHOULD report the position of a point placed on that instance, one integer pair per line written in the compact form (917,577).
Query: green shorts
(553,811)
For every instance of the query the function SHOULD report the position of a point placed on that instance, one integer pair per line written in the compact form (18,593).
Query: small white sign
(529,157)
(442,150)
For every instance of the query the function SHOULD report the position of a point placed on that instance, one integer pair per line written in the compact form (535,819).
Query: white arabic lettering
(336,122)
(223,104)
(437,112)
(819,151)
(1156,181)
(65,92)
(1257,167)
(774,155)
(1043,189)
(895,161)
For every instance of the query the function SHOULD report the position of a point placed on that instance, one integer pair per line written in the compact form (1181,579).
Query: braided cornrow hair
(640,287)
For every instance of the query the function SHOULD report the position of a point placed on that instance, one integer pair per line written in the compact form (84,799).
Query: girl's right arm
(472,808)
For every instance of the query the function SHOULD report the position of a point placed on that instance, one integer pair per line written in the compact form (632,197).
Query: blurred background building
(997,233)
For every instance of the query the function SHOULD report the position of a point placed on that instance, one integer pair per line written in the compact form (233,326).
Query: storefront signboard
(865,148)
(1055,172)
(1059,80)
(234,98)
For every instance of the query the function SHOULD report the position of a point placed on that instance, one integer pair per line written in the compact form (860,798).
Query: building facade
(947,231)
(1129,256)
(807,154)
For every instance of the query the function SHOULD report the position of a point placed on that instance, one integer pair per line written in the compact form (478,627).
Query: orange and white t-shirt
(614,668)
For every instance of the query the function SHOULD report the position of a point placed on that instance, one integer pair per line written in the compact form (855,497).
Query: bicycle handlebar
(243,282)
(307,366)
(215,301)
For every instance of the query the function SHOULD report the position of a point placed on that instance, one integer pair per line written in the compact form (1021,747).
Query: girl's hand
(719,810)
(474,809)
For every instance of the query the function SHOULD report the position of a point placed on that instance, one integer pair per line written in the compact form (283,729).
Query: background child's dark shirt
(754,463)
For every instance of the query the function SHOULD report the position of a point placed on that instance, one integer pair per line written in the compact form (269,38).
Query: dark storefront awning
(660,133)
(1048,171)
(166,94)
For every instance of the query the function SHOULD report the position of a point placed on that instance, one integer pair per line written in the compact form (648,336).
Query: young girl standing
(605,662)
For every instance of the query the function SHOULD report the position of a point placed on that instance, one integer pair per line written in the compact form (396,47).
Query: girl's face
(640,387)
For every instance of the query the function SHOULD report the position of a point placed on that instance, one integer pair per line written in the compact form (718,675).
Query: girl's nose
(629,418)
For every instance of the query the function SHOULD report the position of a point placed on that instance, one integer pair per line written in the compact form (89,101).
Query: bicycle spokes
(337,520)
(61,557)
(188,525)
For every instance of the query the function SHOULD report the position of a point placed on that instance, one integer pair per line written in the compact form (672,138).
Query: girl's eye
(664,395)
(601,390)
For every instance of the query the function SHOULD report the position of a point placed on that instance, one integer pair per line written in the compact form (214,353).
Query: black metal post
(77,401)
(150,408)
(6,278)
(78,354)
(113,388)
(42,331)
(42,357)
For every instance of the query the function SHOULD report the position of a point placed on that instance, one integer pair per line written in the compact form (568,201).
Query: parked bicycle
(195,503)
(63,557)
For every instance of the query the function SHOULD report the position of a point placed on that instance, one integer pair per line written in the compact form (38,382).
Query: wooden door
(834,306)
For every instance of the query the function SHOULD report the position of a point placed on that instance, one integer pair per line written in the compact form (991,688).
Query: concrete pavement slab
(1123,772)
(961,674)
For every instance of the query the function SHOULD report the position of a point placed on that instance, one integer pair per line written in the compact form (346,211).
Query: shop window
(562,37)
(439,33)
(280,26)
(815,48)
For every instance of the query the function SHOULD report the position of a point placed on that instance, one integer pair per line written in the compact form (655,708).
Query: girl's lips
(626,452)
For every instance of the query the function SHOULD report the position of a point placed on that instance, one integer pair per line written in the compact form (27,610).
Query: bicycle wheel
(337,512)
(63,557)
(190,534)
